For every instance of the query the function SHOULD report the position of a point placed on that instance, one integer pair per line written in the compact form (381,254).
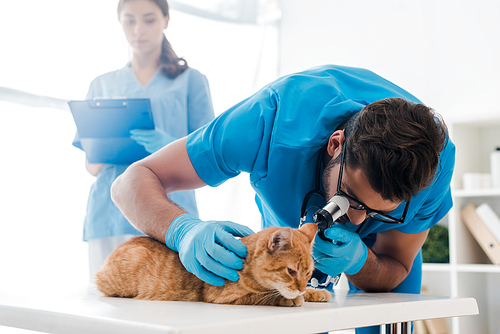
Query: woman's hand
(152,140)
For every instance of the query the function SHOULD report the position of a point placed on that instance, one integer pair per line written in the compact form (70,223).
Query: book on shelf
(490,219)
(430,326)
(436,326)
(481,232)
(419,327)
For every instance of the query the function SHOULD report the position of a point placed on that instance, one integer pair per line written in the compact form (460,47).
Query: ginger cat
(275,272)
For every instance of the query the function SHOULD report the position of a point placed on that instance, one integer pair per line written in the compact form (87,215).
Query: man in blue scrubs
(293,136)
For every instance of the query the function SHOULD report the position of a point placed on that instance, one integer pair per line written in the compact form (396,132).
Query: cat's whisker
(268,297)
(262,300)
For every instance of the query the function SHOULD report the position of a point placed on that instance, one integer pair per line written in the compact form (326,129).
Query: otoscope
(336,207)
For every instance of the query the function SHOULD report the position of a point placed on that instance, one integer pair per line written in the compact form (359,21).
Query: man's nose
(356,217)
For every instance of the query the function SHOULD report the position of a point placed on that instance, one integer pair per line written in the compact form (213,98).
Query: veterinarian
(397,167)
(180,102)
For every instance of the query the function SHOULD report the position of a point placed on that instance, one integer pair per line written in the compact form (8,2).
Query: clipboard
(104,124)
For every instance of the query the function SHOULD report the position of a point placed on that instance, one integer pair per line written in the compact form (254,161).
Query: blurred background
(444,52)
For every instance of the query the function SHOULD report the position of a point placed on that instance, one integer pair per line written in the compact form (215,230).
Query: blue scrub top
(276,136)
(179,107)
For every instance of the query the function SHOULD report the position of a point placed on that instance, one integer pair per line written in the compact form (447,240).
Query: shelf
(436,267)
(476,192)
(471,273)
(478,268)
(462,268)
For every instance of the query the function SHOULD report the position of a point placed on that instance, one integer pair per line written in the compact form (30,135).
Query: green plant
(436,248)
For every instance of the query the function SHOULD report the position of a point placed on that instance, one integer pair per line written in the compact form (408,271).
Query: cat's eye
(292,272)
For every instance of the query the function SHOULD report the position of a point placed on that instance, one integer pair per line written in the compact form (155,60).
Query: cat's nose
(302,291)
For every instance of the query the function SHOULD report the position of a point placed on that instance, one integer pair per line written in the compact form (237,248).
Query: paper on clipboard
(104,128)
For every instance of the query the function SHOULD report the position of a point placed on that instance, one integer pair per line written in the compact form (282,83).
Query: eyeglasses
(358,205)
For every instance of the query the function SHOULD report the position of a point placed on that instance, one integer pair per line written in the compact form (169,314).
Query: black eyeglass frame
(369,212)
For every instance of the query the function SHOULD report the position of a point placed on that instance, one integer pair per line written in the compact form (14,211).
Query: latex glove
(208,249)
(151,139)
(347,253)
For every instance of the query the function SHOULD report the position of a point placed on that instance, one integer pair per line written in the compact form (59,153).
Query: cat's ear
(309,230)
(280,240)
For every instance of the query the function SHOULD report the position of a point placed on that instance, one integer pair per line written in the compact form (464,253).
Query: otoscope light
(336,207)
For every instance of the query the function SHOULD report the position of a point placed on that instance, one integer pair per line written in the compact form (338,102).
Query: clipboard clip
(114,102)
(98,104)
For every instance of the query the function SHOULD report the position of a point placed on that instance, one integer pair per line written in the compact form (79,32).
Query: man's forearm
(380,273)
(141,198)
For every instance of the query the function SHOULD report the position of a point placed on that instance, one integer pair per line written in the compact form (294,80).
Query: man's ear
(335,143)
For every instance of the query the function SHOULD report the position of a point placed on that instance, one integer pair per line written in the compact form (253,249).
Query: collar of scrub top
(314,282)
(317,189)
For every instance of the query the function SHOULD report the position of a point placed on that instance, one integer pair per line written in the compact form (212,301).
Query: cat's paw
(317,295)
(297,301)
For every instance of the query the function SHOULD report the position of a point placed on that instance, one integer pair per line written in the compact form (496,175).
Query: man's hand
(152,140)
(347,253)
(208,249)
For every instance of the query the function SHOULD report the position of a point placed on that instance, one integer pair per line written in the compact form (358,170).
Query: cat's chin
(289,294)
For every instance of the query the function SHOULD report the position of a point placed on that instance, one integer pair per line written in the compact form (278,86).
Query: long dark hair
(170,64)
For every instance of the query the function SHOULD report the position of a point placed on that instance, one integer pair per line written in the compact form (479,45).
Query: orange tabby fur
(275,272)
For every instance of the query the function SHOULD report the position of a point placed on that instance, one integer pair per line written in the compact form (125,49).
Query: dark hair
(397,145)
(170,64)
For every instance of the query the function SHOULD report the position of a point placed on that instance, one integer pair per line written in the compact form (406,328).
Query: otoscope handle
(321,234)
(334,280)
(324,220)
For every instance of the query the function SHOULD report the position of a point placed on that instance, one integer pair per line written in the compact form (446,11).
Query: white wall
(56,48)
(444,52)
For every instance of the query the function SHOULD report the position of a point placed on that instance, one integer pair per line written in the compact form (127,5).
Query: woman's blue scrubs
(179,107)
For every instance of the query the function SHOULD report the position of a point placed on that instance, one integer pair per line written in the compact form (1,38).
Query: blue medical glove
(208,249)
(347,253)
(151,139)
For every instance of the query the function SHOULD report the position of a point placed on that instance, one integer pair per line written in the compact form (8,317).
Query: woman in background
(180,102)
